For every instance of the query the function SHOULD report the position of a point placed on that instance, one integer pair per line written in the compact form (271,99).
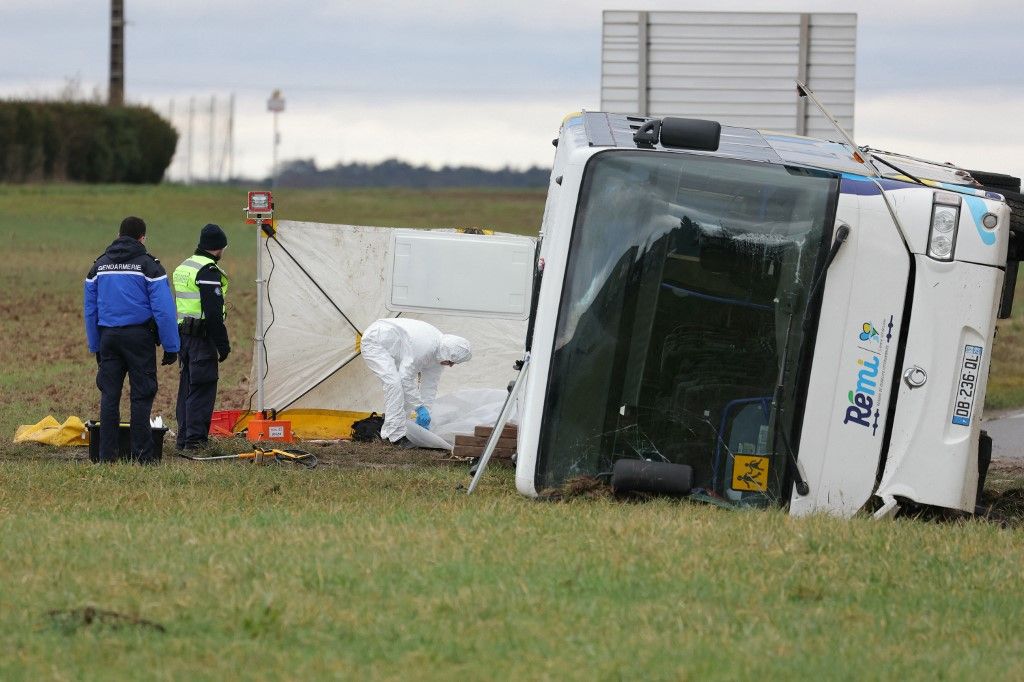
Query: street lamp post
(275,105)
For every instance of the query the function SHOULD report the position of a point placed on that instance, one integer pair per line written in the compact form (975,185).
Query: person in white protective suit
(408,357)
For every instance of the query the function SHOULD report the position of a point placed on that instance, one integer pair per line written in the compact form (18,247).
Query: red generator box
(269,429)
(223,422)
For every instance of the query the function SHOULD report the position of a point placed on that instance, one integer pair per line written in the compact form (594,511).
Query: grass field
(377,565)
(354,573)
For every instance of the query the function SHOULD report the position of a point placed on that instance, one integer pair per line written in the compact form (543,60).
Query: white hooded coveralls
(406,356)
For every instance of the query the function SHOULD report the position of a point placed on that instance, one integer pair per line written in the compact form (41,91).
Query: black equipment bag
(368,430)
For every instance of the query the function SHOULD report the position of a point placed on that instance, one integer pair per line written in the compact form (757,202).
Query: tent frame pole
(260,349)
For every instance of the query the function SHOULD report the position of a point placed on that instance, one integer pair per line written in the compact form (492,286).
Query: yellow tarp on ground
(316,424)
(51,432)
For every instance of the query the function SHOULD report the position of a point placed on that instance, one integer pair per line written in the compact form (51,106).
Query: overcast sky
(488,83)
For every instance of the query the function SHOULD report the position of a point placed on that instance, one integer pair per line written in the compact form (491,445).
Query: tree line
(396,173)
(83,142)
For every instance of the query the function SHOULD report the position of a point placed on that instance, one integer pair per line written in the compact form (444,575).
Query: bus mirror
(690,133)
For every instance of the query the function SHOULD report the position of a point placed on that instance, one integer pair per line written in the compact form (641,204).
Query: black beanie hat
(212,238)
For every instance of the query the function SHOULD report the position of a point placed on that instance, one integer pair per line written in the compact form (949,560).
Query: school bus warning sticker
(750,472)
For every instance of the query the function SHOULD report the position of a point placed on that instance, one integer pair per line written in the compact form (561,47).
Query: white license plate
(967,386)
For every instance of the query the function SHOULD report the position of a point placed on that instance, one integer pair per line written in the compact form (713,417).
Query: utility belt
(149,325)
(192,326)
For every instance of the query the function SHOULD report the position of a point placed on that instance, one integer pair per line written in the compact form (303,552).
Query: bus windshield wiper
(876,157)
(819,283)
(802,488)
(841,234)
(815,291)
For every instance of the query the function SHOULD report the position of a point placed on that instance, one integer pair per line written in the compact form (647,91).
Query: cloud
(969,127)
(423,132)
(474,80)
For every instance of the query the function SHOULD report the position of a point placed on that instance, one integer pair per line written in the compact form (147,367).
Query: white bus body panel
(975,243)
(556,233)
(854,357)
(933,452)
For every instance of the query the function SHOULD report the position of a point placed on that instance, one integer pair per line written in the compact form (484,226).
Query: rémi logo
(862,398)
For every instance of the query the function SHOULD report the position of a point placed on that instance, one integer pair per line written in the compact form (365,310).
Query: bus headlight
(945,217)
(940,247)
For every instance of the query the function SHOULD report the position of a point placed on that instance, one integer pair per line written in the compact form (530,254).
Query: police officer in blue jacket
(128,307)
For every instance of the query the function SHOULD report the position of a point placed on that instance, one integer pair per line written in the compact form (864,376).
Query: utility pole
(191,119)
(231,139)
(228,153)
(213,133)
(170,168)
(275,105)
(115,91)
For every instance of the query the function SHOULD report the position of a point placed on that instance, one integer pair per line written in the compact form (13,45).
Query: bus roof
(616,130)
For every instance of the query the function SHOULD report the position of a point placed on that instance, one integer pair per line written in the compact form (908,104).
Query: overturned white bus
(779,320)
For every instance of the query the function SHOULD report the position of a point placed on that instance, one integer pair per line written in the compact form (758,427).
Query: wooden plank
(503,443)
(509,431)
(475,451)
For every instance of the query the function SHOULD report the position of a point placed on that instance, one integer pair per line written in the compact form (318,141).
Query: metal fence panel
(737,68)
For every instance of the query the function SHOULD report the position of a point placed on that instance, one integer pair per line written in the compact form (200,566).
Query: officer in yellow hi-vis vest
(200,287)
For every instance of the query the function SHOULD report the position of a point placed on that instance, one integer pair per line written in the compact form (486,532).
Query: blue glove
(422,417)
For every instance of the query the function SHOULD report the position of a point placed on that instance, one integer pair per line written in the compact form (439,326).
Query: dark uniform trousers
(197,390)
(132,351)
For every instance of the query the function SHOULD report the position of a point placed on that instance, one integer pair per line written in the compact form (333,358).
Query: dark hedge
(83,142)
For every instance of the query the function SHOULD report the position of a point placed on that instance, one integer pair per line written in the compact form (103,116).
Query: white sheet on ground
(458,412)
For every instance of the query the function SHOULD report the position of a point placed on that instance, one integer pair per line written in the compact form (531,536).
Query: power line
(193,120)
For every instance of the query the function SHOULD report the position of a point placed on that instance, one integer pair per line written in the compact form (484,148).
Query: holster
(193,326)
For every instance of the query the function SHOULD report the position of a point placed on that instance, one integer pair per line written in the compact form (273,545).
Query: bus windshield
(686,286)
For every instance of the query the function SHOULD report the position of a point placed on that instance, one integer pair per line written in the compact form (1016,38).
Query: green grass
(1006,378)
(353,573)
(377,565)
